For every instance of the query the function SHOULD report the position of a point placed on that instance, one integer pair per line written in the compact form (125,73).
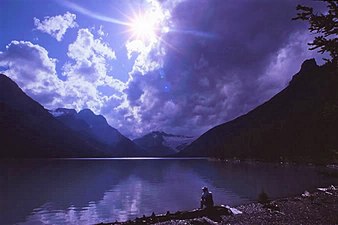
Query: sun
(148,23)
(143,27)
(146,28)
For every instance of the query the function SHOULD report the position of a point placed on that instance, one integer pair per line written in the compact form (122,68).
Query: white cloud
(150,52)
(86,47)
(35,72)
(114,83)
(87,70)
(90,58)
(100,32)
(32,69)
(56,26)
(135,46)
(188,93)
(150,48)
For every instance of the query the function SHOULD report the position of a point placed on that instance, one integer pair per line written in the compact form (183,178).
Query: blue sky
(180,66)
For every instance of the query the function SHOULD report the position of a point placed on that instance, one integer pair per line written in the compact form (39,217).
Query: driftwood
(214,214)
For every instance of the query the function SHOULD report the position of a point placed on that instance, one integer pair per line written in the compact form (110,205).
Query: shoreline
(318,207)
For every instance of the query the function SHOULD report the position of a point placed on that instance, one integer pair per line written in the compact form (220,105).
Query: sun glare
(146,27)
(143,27)
(148,23)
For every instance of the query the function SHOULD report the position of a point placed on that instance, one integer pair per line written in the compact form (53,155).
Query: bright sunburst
(148,23)
(143,27)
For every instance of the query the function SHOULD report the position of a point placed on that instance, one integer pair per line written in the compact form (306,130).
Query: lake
(89,191)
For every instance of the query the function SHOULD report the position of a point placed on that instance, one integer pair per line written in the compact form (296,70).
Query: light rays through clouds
(89,13)
(201,34)
(145,23)
(148,22)
(186,65)
(183,52)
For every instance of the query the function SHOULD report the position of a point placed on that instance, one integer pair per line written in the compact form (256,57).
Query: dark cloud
(134,90)
(220,59)
(219,63)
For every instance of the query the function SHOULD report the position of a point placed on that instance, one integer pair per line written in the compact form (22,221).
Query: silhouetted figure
(206,199)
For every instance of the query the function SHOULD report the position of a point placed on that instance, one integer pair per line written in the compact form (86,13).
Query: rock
(306,194)
(234,210)
(271,206)
(309,65)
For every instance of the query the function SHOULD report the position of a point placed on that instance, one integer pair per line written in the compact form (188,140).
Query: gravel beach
(317,208)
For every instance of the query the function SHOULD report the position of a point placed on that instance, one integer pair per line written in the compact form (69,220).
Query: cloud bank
(214,61)
(224,58)
(83,75)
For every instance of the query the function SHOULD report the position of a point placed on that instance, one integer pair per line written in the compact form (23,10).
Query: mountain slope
(96,127)
(159,143)
(28,130)
(299,123)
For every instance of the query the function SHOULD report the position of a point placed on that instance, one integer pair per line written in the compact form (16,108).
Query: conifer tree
(325,25)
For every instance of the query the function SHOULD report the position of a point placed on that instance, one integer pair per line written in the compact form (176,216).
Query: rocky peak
(309,65)
(91,118)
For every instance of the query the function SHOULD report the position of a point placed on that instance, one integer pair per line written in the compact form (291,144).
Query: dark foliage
(263,198)
(325,25)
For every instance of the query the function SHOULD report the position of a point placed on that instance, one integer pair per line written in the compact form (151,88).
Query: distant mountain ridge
(94,126)
(62,112)
(159,143)
(299,123)
(27,130)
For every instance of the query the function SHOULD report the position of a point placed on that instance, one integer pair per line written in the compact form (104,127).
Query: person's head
(204,189)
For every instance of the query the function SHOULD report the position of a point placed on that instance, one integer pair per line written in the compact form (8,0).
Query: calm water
(93,191)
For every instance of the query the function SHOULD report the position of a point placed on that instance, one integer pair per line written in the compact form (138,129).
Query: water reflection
(93,191)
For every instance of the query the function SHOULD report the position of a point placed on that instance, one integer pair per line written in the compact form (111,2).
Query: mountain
(28,130)
(92,126)
(300,123)
(159,143)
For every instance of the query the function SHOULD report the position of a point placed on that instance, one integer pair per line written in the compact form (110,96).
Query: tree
(325,25)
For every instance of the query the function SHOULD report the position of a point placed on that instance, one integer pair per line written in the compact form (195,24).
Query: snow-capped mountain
(176,142)
(62,112)
(158,143)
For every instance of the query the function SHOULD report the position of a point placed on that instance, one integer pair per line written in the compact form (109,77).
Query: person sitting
(206,199)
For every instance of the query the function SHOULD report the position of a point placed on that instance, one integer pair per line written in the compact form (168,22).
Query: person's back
(207,199)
